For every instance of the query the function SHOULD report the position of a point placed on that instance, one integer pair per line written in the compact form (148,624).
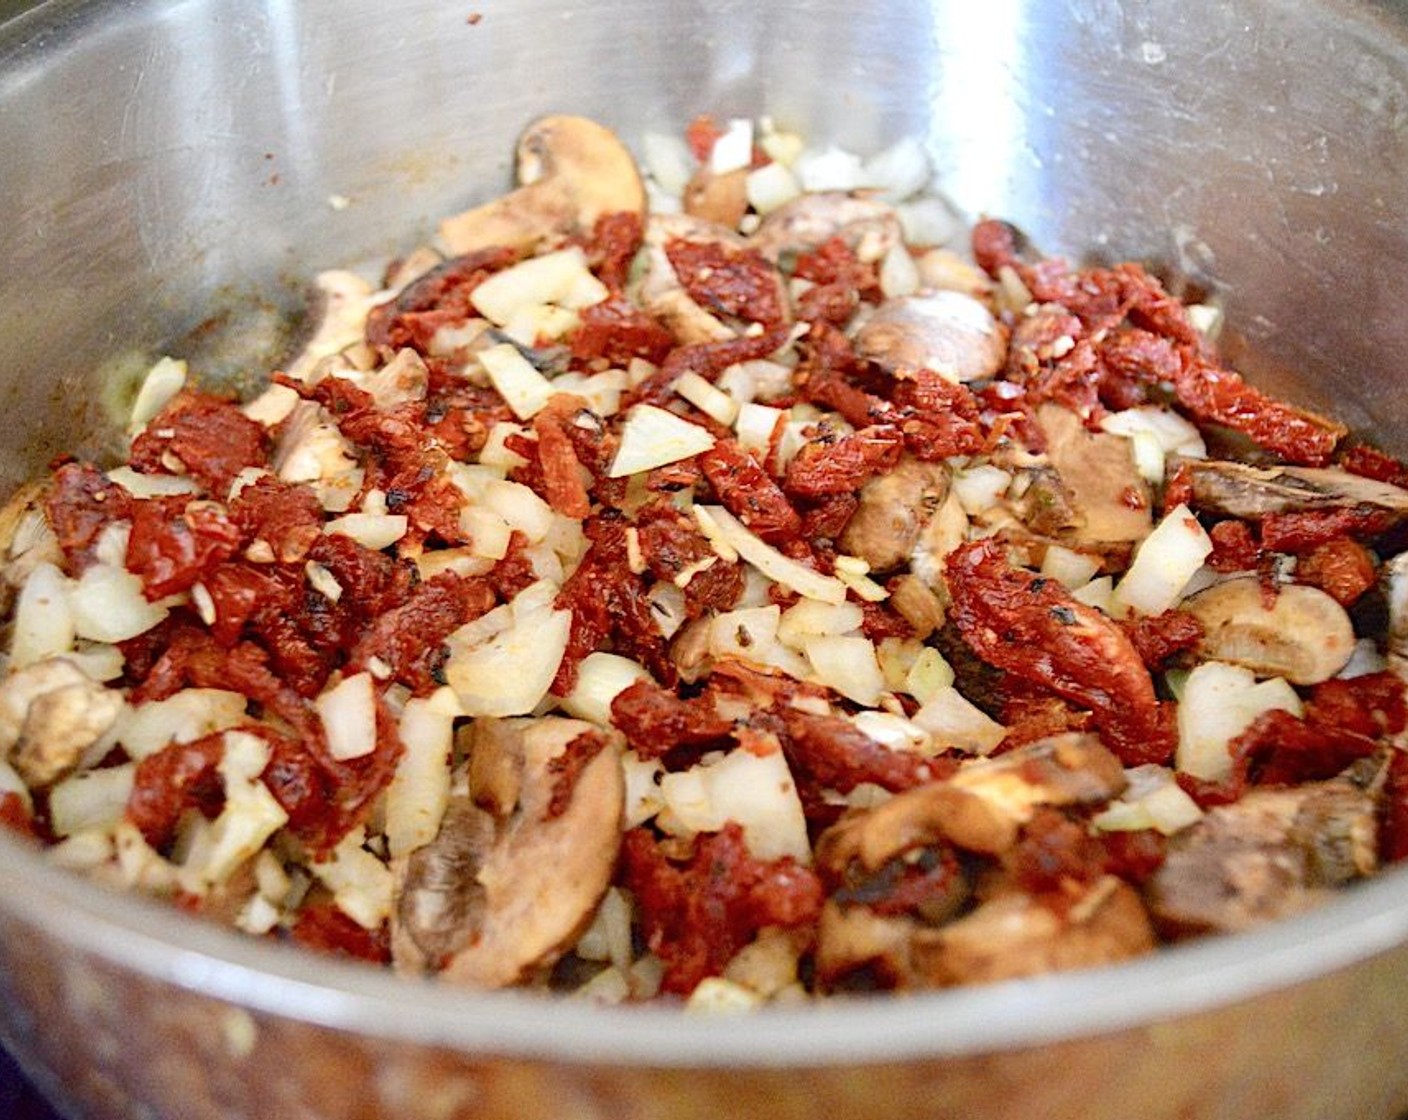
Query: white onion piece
(1153,799)
(510,673)
(348,712)
(489,534)
(755,790)
(848,665)
(1164,564)
(372,530)
(929,676)
(1067,567)
(520,507)
(182,717)
(643,796)
(361,885)
(1219,702)
(43,623)
(733,150)
(495,454)
(668,160)
(163,381)
(152,485)
(108,605)
(894,732)
(516,379)
(901,170)
(830,169)
(899,275)
(708,398)
(93,799)
(807,582)
(980,488)
(955,722)
(809,618)
(419,791)
(757,426)
(560,278)
(653,437)
(601,678)
(771,187)
(748,634)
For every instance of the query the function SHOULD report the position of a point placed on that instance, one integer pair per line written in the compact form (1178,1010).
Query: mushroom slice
(573,171)
(50,713)
(26,539)
(1296,631)
(717,198)
(1394,581)
(950,333)
(338,314)
(869,227)
(894,508)
(1237,490)
(1015,935)
(1111,501)
(1273,853)
(500,894)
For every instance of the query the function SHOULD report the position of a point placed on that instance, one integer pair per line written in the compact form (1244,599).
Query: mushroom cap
(950,333)
(572,171)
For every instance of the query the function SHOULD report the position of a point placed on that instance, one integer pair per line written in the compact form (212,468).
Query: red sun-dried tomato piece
(729,281)
(615,331)
(325,928)
(441,297)
(1031,627)
(657,722)
(1160,637)
(708,360)
(697,916)
(179,777)
(1342,568)
(749,493)
(211,437)
(820,470)
(616,238)
(833,753)
(175,543)
(80,504)
(1302,531)
(287,518)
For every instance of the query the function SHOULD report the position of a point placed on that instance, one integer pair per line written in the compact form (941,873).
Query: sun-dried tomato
(1373,704)
(1370,462)
(303,789)
(1031,714)
(749,493)
(1159,638)
(1303,531)
(881,621)
(325,928)
(439,298)
(616,238)
(827,303)
(615,331)
(1342,568)
(1393,836)
(562,480)
(176,778)
(1054,853)
(1135,855)
(287,518)
(515,571)
(938,418)
(1032,627)
(80,504)
(1234,547)
(657,722)
(820,469)
(1220,396)
(409,639)
(1280,749)
(929,883)
(738,283)
(833,753)
(210,436)
(372,583)
(708,360)
(701,134)
(175,543)
(833,262)
(994,245)
(16,817)
(825,519)
(697,916)
(673,549)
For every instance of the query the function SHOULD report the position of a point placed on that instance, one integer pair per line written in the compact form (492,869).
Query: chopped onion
(771,187)
(522,387)
(899,275)
(509,674)
(361,885)
(956,723)
(781,147)
(271,406)
(520,507)
(848,665)
(810,618)
(1098,593)
(755,790)
(43,622)
(894,732)
(348,712)
(108,605)
(1164,564)
(560,278)
(930,221)
(708,398)
(601,677)
(163,381)
(1067,567)
(748,634)
(1153,799)
(668,160)
(183,717)
(1219,702)
(929,676)
(495,454)
(489,534)
(901,170)
(733,150)
(643,797)
(419,791)
(757,426)
(807,582)
(93,799)
(830,169)
(372,530)
(346,299)
(152,485)
(980,488)
(652,437)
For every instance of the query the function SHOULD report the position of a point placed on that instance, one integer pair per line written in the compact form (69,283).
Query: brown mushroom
(503,890)
(950,333)
(1237,490)
(572,171)
(894,508)
(869,227)
(1016,935)
(1273,853)
(717,198)
(1111,501)
(50,713)
(26,539)
(1295,631)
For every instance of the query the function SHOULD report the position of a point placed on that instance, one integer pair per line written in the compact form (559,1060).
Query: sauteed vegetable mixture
(733,582)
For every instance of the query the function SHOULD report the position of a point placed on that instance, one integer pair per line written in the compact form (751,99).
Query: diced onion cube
(601,677)
(163,381)
(510,673)
(372,530)
(560,278)
(708,398)
(771,186)
(1219,702)
(348,712)
(848,665)
(653,437)
(809,618)
(43,622)
(1067,567)
(108,605)
(93,799)
(955,722)
(522,387)
(807,582)
(419,791)
(1164,564)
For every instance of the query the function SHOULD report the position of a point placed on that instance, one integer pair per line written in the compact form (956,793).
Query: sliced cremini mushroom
(1294,631)
(502,891)
(869,227)
(1271,854)
(50,713)
(717,198)
(1016,935)
(894,508)
(1111,502)
(1237,490)
(950,333)
(572,171)
(1393,580)
(26,538)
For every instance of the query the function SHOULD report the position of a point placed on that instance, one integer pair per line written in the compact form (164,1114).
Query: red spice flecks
(1032,627)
